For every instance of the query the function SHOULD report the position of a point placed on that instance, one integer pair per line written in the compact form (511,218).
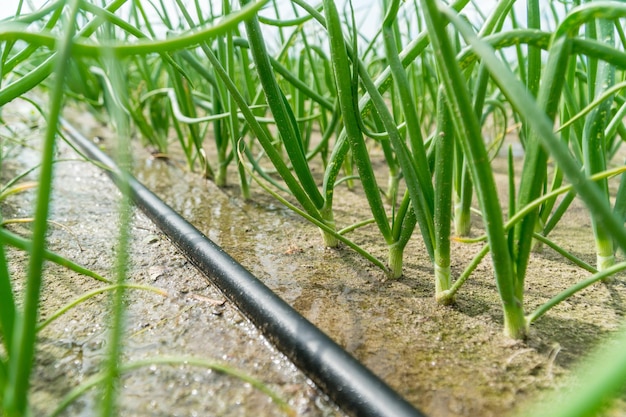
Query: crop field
(445,149)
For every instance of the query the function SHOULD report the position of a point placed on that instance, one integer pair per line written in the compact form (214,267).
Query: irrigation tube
(353,387)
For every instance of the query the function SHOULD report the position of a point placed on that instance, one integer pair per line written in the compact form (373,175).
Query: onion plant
(21,344)
(601,77)
(470,137)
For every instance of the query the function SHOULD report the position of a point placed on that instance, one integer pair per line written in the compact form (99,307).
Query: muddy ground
(448,361)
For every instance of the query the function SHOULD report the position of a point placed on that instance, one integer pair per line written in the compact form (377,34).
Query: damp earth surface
(447,361)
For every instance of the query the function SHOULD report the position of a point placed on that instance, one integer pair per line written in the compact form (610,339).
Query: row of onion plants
(424,89)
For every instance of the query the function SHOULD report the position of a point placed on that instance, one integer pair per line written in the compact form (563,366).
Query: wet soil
(448,361)
(193,320)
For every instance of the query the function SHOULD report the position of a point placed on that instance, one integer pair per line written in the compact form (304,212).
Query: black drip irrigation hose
(353,387)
